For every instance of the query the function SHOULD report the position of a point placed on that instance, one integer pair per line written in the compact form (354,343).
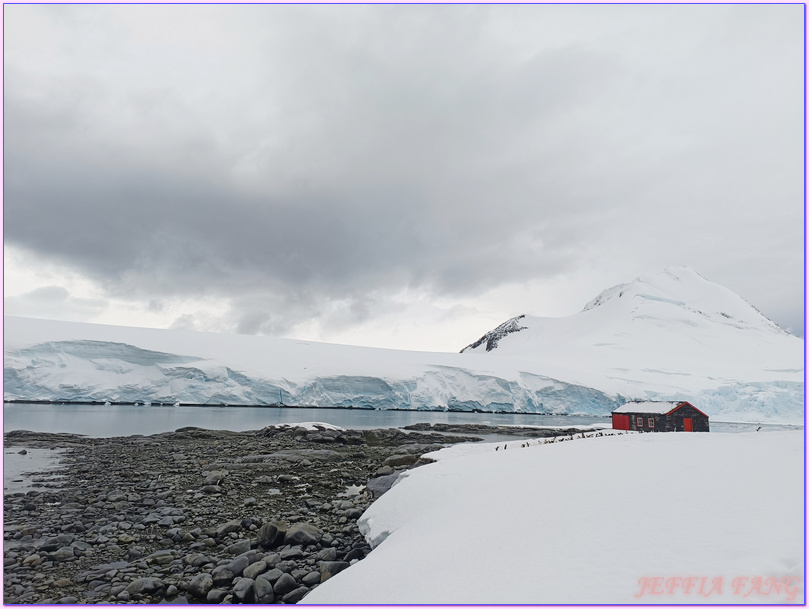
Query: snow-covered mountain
(669,336)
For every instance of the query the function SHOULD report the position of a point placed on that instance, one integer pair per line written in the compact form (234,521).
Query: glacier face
(671,336)
(97,371)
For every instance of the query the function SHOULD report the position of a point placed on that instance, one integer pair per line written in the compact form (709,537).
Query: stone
(216,476)
(303,534)
(272,534)
(240,547)
(311,578)
(216,596)
(229,527)
(243,590)
(201,585)
(292,553)
(63,554)
(256,569)
(381,485)
(145,585)
(327,554)
(238,565)
(296,595)
(263,592)
(285,584)
(222,576)
(329,568)
(355,554)
(271,576)
(172,591)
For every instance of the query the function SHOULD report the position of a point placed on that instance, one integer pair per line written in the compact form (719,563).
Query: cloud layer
(311,162)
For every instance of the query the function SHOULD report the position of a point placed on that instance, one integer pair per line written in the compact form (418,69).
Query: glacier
(669,336)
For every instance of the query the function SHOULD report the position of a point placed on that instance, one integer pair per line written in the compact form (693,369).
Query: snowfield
(670,336)
(632,518)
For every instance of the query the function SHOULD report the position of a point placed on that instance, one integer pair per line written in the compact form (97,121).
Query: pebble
(186,516)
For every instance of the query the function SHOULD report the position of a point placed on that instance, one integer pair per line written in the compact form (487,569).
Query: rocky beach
(201,516)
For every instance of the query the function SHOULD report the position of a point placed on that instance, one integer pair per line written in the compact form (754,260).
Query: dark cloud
(302,162)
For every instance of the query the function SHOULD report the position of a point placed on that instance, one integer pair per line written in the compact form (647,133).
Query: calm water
(110,421)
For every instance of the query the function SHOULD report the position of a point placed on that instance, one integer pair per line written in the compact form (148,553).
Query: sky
(395,176)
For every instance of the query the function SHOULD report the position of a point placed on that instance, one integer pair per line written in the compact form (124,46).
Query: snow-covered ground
(670,336)
(631,518)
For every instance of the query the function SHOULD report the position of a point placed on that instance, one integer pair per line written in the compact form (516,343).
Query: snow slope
(672,336)
(585,521)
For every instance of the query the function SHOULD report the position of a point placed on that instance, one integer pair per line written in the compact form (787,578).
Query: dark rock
(286,583)
(356,553)
(329,568)
(263,592)
(228,527)
(222,576)
(240,547)
(271,576)
(381,485)
(296,595)
(243,590)
(256,569)
(216,596)
(145,585)
(401,460)
(303,534)
(238,565)
(272,534)
(311,578)
(201,585)
(292,553)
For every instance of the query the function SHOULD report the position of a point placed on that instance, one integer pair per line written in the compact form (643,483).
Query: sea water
(111,421)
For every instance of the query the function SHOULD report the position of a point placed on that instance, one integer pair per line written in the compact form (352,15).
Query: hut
(659,416)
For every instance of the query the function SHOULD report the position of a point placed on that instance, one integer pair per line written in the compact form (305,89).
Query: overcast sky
(397,176)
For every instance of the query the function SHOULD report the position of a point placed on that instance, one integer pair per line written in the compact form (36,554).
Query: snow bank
(672,336)
(620,519)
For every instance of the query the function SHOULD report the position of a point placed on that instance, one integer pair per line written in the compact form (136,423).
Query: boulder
(329,568)
(145,585)
(285,584)
(272,534)
(229,527)
(222,576)
(243,590)
(238,565)
(303,534)
(297,594)
(256,569)
(240,547)
(380,485)
(201,585)
(263,592)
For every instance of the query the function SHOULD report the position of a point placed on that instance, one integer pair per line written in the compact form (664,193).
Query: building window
(651,423)
(640,421)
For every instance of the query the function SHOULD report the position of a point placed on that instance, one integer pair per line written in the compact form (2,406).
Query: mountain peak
(681,291)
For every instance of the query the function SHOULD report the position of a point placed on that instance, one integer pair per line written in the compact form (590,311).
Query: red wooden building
(659,416)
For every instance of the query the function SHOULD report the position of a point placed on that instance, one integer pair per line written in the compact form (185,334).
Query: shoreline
(199,515)
(279,406)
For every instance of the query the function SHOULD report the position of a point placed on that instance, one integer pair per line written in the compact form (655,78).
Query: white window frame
(639,422)
(651,423)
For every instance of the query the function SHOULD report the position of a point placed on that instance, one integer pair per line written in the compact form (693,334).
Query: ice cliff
(669,336)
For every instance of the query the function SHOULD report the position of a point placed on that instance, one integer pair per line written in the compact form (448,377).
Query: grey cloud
(290,158)
(53,301)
